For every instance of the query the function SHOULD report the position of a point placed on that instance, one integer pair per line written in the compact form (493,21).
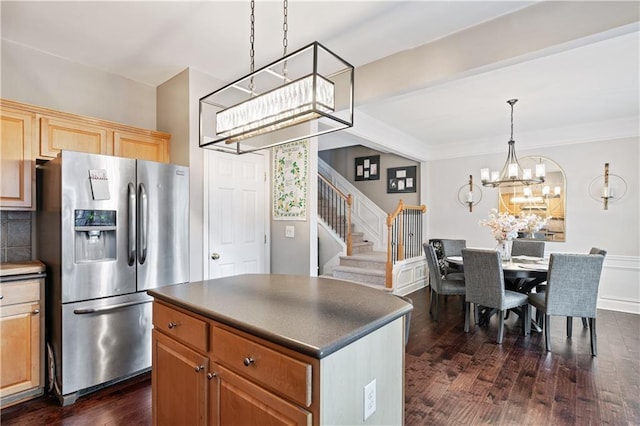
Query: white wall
(37,78)
(616,230)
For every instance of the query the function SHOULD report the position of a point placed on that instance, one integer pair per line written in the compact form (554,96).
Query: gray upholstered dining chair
(484,282)
(603,253)
(437,283)
(452,247)
(527,248)
(572,291)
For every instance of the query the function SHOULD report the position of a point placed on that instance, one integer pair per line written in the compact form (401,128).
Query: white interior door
(237,189)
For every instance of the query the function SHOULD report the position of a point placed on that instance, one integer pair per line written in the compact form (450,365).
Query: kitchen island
(277,349)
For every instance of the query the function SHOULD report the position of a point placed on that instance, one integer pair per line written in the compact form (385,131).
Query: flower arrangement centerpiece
(504,228)
(534,223)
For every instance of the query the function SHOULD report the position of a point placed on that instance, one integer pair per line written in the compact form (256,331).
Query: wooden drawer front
(12,293)
(280,373)
(181,326)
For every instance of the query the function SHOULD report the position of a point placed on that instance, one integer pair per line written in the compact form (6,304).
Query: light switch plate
(289,231)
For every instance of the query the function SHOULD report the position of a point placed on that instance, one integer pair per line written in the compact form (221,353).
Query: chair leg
(526,319)
(476,313)
(584,322)
(437,306)
(500,327)
(467,307)
(594,343)
(547,332)
(431,301)
(569,326)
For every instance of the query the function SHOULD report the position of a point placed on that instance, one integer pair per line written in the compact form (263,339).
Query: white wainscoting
(620,284)
(409,275)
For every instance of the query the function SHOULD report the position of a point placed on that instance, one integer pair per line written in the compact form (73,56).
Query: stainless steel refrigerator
(108,229)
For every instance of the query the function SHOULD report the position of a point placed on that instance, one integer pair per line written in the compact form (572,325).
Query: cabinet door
(16,168)
(179,383)
(241,402)
(19,348)
(142,147)
(57,134)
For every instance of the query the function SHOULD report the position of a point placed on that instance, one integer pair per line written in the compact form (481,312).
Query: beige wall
(37,78)
(343,161)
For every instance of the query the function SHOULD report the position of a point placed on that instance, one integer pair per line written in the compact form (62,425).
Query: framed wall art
(401,179)
(290,181)
(368,168)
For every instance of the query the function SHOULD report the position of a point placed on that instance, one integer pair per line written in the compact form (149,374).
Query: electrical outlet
(369,399)
(289,231)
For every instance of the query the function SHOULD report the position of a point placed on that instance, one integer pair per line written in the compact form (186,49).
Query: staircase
(365,266)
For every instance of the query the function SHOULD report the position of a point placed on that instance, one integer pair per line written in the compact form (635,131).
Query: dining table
(521,274)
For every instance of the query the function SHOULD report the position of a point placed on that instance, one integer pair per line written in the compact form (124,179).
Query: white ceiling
(151,42)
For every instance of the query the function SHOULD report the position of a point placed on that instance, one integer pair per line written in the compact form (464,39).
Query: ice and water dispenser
(95,235)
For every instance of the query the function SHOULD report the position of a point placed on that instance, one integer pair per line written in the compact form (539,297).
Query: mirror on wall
(546,200)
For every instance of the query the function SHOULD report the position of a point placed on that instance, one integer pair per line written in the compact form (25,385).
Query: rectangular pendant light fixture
(304,94)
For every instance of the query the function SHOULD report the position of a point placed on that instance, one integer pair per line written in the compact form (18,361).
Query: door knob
(215,256)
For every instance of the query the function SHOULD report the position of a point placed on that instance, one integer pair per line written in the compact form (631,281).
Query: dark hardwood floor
(452,378)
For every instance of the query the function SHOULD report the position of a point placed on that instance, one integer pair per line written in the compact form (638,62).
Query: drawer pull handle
(199,368)
(211,375)
(36,311)
(172,325)
(248,361)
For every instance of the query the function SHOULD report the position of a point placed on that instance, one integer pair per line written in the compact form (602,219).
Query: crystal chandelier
(512,173)
(304,94)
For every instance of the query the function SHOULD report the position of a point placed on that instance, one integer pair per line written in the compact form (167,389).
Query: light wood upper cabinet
(51,131)
(141,146)
(17,168)
(58,134)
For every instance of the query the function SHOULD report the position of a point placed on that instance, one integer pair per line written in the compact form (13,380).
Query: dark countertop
(314,316)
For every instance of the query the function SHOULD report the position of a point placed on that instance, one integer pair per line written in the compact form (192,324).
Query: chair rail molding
(366,216)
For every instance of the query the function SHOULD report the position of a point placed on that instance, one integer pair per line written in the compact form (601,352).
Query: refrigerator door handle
(131,218)
(144,222)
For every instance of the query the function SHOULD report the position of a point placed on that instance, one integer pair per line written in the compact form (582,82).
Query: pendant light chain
(252,39)
(285,42)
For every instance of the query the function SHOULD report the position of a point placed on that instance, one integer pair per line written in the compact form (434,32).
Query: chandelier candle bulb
(545,190)
(540,171)
(556,191)
(484,174)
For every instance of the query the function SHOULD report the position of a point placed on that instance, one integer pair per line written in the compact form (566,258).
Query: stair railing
(334,208)
(404,236)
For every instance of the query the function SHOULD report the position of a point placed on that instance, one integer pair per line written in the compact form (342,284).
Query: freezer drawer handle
(107,308)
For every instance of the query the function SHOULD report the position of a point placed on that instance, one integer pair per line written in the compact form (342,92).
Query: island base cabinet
(241,402)
(179,383)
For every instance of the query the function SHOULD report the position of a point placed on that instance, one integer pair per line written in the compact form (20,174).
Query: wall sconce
(612,188)
(469,195)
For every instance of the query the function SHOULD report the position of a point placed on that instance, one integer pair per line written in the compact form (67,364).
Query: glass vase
(504,248)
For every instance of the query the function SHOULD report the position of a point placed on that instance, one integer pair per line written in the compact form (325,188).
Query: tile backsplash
(15,236)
